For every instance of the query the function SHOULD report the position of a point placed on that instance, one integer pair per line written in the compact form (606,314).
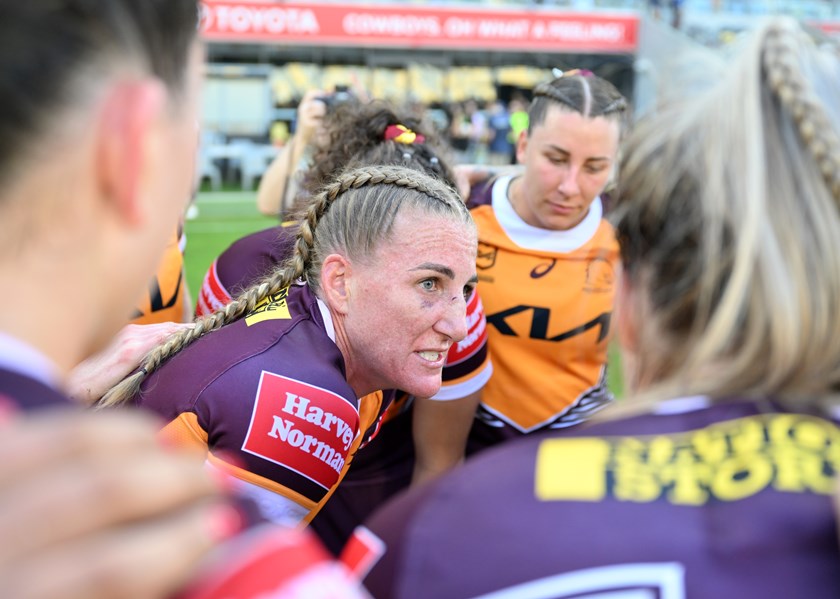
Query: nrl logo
(600,276)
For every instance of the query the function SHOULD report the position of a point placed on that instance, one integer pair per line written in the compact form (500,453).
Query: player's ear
(336,273)
(127,138)
(521,146)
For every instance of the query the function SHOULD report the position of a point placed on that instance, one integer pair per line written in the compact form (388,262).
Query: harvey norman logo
(302,427)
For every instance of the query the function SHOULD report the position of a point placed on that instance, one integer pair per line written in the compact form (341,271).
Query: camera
(341,95)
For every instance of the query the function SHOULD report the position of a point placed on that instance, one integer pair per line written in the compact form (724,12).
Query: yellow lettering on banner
(571,470)
(273,307)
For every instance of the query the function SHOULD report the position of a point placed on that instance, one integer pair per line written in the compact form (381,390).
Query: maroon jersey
(27,394)
(245,262)
(268,397)
(697,500)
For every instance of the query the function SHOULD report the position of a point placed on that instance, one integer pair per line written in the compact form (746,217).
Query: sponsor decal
(727,461)
(540,318)
(302,427)
(417,26)
(486,257)
(273,307)
(543,268)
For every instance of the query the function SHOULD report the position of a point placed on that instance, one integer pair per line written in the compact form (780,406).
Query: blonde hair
(728,224)
(353,215)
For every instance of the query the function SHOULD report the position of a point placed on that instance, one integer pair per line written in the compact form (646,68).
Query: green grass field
(223,217)
(228,215)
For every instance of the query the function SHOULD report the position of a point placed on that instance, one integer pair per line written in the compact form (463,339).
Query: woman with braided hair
(372,298)
(368,134)
(714,478)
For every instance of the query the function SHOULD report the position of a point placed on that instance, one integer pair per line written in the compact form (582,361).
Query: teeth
(431,356)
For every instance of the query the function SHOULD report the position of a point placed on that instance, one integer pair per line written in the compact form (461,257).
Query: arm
(270,200)
(440,431)
(92,378)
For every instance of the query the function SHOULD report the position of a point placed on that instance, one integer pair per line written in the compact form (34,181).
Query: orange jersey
(166,294)
(548,317)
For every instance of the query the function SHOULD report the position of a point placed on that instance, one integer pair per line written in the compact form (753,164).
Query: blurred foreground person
(98,136)
(714,478)
(96,162)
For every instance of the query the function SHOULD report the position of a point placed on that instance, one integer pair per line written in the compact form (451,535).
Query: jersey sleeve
(468,366)
(213,294)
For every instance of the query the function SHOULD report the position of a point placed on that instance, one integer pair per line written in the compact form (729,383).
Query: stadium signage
(417,27)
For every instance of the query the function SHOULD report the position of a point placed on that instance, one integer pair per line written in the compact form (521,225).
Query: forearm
(273,184)
(440,431)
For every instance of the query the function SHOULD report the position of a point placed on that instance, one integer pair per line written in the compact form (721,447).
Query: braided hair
(577,91)
(728,219)
(355,136)
(353,215)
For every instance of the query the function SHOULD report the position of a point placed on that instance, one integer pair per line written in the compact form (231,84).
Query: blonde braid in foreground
(795,93)
(317,237)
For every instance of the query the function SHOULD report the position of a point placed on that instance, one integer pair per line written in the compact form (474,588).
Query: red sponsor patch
(302,427)
(477,333)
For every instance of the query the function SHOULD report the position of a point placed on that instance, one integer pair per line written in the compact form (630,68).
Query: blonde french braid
(795,93)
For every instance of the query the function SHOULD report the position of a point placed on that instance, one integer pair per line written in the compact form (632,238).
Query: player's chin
(423,386)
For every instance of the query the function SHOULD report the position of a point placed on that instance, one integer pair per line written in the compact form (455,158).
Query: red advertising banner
(830,28)
(418,27)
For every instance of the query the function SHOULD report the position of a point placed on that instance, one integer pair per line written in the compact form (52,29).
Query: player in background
(547,263)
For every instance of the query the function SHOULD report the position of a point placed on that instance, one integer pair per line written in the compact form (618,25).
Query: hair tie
(558,73)
(403,135)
